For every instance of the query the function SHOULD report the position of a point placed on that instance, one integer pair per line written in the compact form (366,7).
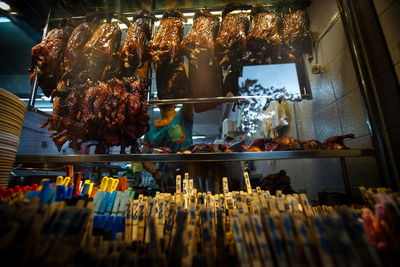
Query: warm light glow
(4,6)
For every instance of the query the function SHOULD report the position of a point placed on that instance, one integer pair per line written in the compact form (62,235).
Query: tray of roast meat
(264,145)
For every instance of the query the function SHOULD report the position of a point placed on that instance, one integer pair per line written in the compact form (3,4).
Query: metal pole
(368,88)
(31,103)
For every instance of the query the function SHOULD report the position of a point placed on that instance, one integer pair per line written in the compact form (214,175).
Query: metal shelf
(197,157)
(214,99)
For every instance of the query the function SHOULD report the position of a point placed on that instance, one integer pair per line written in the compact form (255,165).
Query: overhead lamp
(4,6)
(4,19)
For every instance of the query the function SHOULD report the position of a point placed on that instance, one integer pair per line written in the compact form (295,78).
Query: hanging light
(4,6)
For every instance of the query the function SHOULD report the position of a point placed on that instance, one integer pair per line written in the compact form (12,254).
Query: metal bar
(368,88)
(199,157)
(211,99)
(31,103)
(346,179)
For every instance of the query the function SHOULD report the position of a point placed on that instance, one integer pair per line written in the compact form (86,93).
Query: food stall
(199,132)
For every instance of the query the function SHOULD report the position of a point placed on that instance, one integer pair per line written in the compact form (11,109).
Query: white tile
(305,120)
(363,142)
(327,123)
(322,91)
(342,74)
(334,41)
(320,12)
(352,115)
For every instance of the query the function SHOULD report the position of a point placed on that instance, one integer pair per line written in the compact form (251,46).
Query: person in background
(172,130)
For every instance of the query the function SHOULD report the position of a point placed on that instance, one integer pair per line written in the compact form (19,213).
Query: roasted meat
(98,53)
(113,113)
(205,79)
(172,81)
(203,148)
(258,145)
(236,147)
(264,41)
(287,143)
(72,64)
(201,37)
(230,44)
(164,45)
(47,58)
(296,34)
(161,150)
(336,142)
(171,74)
(133,52)
(311,145)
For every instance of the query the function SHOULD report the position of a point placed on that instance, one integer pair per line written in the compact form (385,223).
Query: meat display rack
(24,161)
(195,157)
(189,13)
(211,99)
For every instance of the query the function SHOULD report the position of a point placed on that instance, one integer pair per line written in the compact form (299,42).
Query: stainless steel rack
(197,157)
(213,99)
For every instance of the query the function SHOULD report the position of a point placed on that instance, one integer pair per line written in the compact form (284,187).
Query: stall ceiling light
(4,6)
(46,109)
(4,20)
(158,109)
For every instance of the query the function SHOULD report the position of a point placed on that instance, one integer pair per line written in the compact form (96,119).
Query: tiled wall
(336,109)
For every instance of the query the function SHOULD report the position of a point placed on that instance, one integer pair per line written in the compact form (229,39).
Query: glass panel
(278,81)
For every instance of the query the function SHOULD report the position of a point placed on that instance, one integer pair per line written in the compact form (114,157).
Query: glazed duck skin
(336,142)
(97,54)
(133,52)
(264,41)
(164,45)
(201,38)
(231,41)
(112,113)
(296,34)
(47,58)
(73,51)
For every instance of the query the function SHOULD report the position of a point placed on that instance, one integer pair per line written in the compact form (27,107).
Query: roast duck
(91,77)
(199,48)
(296,34)
(275,38)
(267,144)
(114,113)
(264,42)
(230,45)
(47,58)
(164,48)
(95,96)
(133,53)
